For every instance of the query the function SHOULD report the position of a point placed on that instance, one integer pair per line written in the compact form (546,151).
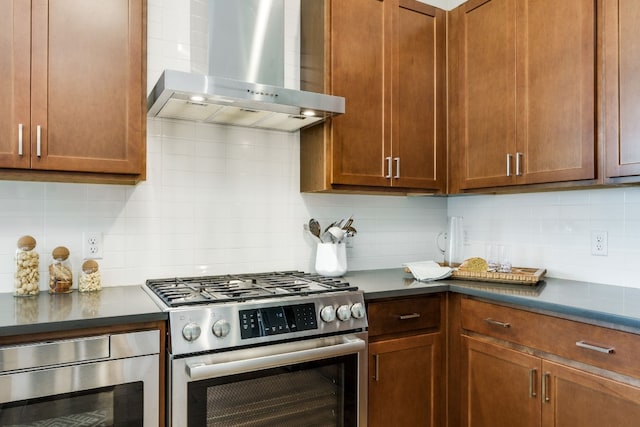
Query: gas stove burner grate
(180,291)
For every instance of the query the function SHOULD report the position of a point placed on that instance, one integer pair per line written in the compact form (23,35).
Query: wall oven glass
(107,380)
(319,382)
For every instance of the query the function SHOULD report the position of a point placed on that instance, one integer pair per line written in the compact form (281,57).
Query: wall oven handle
(199,370)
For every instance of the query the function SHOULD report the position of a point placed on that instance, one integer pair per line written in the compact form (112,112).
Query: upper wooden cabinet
(74,76)
(622,90)
(387,58)
(522,92)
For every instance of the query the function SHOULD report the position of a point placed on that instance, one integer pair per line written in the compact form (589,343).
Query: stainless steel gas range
(281,348)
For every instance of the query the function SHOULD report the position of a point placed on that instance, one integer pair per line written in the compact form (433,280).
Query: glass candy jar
(89,280)
(27,276)
(60,272)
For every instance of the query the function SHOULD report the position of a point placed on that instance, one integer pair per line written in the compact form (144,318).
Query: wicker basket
(518,275)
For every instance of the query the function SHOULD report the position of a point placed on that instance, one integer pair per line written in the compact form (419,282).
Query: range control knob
(328,313)
(221,328)
(344,313)
(357,310)
(191,331)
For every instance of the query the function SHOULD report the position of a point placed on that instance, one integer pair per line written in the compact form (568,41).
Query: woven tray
(518,276)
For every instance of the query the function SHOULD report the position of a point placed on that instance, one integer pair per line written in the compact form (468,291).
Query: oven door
(83,387)
(320,382)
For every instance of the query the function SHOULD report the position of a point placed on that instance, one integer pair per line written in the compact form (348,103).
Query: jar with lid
(27,276)
(60,273)
(89,280)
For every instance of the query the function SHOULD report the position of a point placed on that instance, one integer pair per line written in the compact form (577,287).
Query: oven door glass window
(320,393)
(120,405)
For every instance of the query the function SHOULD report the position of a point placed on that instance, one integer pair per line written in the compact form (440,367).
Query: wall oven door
(320,382)
(106,380)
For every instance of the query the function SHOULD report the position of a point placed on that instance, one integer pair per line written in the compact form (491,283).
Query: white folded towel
(426,271)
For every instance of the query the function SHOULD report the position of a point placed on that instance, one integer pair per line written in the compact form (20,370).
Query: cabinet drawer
(581,342)
(404,315)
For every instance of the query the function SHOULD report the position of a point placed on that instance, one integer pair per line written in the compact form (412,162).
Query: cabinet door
(87,94)
(405,385)
(361,74)
(488,93)
(418,119)
(556,90)
(622,88)
(15,61)
(499,386)
(576,398)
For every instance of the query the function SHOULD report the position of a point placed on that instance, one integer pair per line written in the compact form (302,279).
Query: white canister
(331,259)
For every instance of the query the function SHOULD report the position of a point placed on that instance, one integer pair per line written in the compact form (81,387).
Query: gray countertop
(613,306)
(47,313)
(607,305)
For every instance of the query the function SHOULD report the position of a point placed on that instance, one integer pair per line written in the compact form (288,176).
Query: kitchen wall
(222,199)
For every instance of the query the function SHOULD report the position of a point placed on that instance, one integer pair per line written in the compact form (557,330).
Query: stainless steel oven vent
(245,81)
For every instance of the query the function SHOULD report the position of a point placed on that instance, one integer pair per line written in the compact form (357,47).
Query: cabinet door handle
(497,323)
(509,155)
(397,160)
(388,159)
(594,347)
(39,141)
(20,128)
(518,164)
(545,387)
(409,316)
(533,374)
(376,360)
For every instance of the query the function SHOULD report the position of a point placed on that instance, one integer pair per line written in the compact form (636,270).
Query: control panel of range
(221,326)
(261,322)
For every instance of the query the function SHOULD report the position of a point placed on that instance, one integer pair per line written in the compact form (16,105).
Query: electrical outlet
(92,245)
(599,243)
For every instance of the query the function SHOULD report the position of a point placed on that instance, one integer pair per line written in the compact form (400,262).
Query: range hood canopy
(246,70)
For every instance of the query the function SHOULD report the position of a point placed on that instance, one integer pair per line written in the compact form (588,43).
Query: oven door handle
(350,345)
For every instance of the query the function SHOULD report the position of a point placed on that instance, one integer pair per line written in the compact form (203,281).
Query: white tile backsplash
(223,199)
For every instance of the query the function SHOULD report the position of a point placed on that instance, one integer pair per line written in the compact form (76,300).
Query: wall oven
(265,349)
(106,380)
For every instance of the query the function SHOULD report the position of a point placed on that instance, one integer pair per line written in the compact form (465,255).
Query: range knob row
(192,331)
(344,312)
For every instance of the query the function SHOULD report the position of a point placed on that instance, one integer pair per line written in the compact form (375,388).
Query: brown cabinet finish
(496,380)
(405,315)
(527,86)
(85,113)
(407,377)
(572,340)
(387,58)
(15,82)
(404,381)
(576,398)
(622,89)
(530,369)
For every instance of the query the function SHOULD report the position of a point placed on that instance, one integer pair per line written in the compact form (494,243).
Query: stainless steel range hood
(245,81)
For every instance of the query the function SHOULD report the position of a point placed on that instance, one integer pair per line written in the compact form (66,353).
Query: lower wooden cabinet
(496,384)
(525,369)
(505,387)
(407,376)
(403,381)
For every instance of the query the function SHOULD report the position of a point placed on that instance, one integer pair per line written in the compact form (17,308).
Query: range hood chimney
(245,81)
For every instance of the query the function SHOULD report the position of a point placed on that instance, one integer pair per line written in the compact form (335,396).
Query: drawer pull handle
(409,316)
(376,375)
(388,159)
(545,387)
(39,141)
(533,374)
(498,323)
(20,132)
(600,349)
